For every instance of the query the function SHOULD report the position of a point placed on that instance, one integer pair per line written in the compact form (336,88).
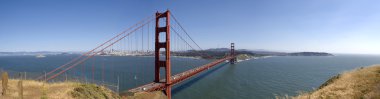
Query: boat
(40,56)
(227,61)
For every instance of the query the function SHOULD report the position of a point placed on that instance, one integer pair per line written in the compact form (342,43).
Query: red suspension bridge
(149,37)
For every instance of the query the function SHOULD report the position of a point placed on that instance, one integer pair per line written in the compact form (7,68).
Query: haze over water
(260,78)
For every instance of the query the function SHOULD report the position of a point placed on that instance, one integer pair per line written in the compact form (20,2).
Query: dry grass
(361,83)
(92,91)
(146,95)
(62,90)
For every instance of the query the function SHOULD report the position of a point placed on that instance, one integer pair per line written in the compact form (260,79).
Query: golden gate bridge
(149,37)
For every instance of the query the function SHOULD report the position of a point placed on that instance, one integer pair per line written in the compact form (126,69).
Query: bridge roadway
(175,79)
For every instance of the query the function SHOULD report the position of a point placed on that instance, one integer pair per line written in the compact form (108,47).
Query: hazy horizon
(237,49)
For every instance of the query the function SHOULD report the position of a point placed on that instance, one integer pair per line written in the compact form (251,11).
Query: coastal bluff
(360,83)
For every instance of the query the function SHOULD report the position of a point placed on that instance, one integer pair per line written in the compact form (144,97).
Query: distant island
(310,54)
(243,54)
(36,53)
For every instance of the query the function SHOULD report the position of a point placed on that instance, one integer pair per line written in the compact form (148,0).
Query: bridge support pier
(163,44)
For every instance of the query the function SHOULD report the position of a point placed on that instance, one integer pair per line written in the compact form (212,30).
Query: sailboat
(40,56)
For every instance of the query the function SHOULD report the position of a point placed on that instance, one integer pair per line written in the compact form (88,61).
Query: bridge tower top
(233,49)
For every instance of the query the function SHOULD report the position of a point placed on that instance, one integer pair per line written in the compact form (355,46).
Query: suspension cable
(177,22)
(92,54)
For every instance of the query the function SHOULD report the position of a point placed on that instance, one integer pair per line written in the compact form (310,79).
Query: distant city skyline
(338,26)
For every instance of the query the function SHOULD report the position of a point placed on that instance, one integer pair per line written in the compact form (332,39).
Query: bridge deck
(175,79)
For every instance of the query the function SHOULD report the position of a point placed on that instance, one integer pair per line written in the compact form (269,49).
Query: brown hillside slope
(144,95)
(361,83)
(62,90)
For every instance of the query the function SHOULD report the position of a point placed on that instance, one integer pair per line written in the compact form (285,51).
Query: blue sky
(336,26)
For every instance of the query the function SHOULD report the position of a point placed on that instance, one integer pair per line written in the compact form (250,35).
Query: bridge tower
(232,53)
(164,62)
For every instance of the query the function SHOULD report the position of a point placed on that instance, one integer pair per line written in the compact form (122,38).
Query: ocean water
(260,78)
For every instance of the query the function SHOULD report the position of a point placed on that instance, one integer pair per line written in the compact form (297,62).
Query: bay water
(259,78)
